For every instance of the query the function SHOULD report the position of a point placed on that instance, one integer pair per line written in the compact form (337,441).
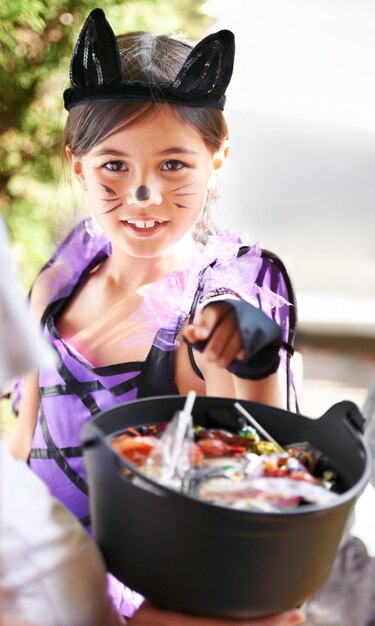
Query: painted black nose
(143,193)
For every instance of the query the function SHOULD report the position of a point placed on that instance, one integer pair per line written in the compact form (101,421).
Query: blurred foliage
(36,42)
(7,417)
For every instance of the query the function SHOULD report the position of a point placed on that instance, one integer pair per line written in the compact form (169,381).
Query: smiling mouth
(144,226)
(143,223)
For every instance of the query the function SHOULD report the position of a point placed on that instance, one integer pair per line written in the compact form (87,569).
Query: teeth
(143,223)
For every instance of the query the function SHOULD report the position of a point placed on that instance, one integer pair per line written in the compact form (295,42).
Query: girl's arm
(219,382)
(218,323)
(19,440)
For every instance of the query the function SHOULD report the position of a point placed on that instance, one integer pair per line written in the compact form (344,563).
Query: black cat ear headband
(96,74)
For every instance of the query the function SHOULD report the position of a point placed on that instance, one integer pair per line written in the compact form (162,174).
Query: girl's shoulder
(250,273)
(231,267)
(84,247)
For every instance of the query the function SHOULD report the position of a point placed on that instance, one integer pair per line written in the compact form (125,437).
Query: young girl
(142,298)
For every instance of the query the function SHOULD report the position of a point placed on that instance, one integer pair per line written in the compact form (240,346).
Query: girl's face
(147,185)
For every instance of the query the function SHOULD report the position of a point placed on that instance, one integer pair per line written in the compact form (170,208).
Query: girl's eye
(115,166)
(173,165)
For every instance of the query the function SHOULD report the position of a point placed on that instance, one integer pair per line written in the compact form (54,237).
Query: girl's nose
(145,196)
(143,193)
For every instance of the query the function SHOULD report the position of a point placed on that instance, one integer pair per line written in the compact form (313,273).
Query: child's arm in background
(18,441)
(20,437)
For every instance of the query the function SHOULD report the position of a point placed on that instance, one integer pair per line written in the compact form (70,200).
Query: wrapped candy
(266,494)
(136,449)
(240,469)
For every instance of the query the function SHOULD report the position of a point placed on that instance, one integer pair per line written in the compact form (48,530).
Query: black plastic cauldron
(195,557)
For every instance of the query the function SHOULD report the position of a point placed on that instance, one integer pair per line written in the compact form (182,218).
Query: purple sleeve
(252,278)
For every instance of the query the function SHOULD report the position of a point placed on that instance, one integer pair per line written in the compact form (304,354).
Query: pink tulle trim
(167,302)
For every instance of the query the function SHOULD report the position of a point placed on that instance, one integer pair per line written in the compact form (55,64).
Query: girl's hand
(218,324)
(148,615)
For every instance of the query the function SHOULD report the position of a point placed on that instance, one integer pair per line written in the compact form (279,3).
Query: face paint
(184,193)
(110,192)
(108,189)
(142,193)
(150,197)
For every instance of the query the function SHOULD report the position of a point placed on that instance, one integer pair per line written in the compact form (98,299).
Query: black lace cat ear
(95,70)
(209,66)
(96,57)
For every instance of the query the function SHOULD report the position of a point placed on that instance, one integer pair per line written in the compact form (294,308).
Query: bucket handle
(349,413)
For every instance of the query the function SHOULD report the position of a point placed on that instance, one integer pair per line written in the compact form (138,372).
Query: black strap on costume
(83,391)
(158,373)
(72,386)
(291,296)
(59,456)
(75,478)
(53,450)
(201,283)
(57,306)
(288,345)
(83,388)
(48,453)
(85,520)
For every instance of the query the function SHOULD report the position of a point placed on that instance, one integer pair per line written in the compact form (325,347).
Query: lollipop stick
(189,403)
(259,428)
(184,418)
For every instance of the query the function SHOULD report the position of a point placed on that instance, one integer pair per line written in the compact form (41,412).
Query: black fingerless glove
(261,340)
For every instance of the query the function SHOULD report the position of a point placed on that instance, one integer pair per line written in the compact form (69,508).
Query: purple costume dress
(75,391)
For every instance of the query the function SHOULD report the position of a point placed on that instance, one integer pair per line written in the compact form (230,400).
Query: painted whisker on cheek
(181,206)
(108,189)
(111,192)
(182,187)
(113,208)
(183,193)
